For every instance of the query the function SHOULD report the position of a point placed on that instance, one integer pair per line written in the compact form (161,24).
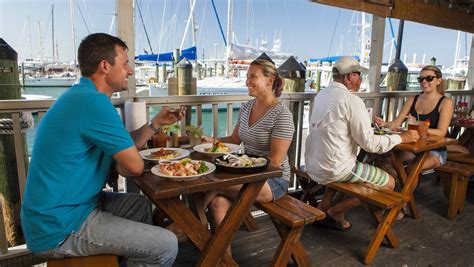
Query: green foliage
(195,131)
(170,128)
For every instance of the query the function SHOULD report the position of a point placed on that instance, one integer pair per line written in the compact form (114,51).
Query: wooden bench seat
(391,201)
(289,215)
(461,157)
(455,175)
(89,261)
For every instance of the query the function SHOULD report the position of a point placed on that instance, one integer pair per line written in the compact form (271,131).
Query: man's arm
(129,162)
(362,133)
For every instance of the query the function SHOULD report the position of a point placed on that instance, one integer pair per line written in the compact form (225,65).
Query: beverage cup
(413,125)
(420,126)
(423,130)
(160,140)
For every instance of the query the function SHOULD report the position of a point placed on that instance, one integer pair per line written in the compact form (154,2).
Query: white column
(470,68)
(375,63)
(126,31)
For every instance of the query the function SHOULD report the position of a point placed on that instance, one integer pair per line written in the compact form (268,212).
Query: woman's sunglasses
(427,78)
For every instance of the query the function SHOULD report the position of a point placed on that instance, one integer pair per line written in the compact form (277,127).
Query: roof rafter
(440,13)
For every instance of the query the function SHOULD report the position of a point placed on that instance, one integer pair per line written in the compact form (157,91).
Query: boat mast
(52,30)
(229,35)
(193,21)
(40,43)
(73,22)
(458,49)
(191,12)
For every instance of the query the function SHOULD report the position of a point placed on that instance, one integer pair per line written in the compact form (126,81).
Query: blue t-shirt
(72,153)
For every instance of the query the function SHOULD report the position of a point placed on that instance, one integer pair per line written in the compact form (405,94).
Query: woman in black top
(430,105)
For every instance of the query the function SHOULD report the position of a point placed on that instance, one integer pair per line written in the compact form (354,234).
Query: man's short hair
(95,48)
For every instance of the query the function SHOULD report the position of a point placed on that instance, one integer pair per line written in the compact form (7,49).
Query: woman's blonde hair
(441,88)
(269,70)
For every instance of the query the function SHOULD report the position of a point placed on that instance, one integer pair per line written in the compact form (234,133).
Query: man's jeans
(121,227)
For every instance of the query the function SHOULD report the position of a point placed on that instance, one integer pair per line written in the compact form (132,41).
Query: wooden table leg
(231,223)
(409,186)
(383,228)
(179,213)
(290,245)
(390,236)
(407,181)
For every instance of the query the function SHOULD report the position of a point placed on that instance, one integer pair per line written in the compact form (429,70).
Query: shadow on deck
(431,240)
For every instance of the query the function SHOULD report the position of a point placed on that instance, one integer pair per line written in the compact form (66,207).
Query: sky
(307,30)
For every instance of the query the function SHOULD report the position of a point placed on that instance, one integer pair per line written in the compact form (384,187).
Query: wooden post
(163,73)
(294,81)
(186,85)
(317,81)
(375,61)
(126,31)
(176,56)
(198,71)
(9,175)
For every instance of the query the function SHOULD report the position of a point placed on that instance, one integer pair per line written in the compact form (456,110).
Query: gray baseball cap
(347,64)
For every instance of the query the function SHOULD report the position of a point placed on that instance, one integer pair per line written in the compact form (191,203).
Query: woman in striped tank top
(265,128)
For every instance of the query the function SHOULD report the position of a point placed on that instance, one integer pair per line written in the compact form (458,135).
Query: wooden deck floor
(432,240)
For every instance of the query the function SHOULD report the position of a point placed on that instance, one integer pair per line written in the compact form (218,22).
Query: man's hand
(169,116)
(379,121)
(409,136)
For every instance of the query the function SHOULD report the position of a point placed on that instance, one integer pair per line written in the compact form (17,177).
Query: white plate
(156,171)
(182,153)
(202,148)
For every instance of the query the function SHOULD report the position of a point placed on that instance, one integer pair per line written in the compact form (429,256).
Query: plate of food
(384,131)
(217,148)
(169,153)
(183,170)
(241,163)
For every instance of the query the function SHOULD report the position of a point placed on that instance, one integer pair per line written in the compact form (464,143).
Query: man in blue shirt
(65,213)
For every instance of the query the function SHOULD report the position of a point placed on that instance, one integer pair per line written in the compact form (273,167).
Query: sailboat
(46,72)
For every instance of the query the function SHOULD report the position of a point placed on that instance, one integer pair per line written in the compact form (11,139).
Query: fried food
(163,154)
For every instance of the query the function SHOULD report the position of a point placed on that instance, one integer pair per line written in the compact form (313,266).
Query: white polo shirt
(339,123)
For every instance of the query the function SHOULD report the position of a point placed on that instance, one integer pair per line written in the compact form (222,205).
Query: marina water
(55,92)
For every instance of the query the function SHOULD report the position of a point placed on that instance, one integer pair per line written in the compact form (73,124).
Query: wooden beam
(412,10)
(360,5)
(433,14)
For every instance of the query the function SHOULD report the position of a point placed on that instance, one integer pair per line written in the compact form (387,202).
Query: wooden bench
(289,215)
(391,201)
(89,261)
(455,175)
(461,157)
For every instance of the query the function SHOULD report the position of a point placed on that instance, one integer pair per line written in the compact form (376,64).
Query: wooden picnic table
(422,146)
(165,193)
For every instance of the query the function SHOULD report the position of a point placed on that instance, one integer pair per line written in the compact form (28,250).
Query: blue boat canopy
(189,53)
(329,59)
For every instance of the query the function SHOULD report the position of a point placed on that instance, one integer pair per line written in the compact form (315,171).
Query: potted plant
(195,134)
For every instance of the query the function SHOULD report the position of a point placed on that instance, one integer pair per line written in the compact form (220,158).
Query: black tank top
(433,116)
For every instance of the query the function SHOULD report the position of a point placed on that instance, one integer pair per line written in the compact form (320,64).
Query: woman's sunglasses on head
(427,78)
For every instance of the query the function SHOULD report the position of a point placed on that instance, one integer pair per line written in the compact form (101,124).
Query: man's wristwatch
(152,126)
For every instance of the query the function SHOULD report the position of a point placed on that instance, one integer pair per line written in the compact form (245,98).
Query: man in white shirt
(339,124)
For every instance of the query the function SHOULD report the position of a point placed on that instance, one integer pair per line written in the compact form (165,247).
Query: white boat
(64,79)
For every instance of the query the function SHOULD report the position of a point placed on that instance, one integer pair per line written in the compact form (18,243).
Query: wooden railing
(386,103)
